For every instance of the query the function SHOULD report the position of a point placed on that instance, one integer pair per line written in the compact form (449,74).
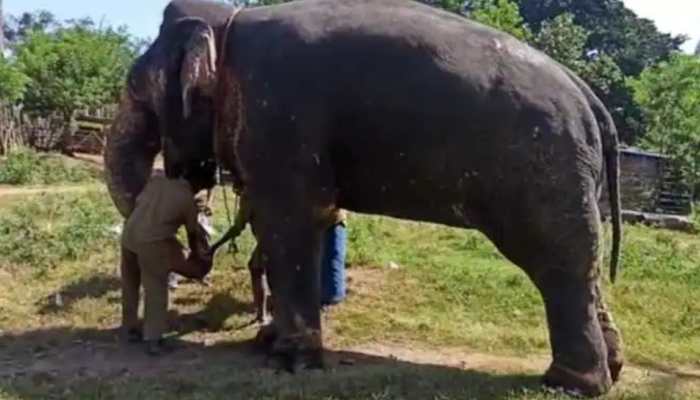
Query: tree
(16,29)
(670,96)
(625,43)
(634,43)
(500,14)
(12,82)
(2,30)
(73,68)
(564,41)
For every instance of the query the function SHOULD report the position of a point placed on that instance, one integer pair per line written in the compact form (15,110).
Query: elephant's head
(168,103)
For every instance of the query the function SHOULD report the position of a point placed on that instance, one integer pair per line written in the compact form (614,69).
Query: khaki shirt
(161,209)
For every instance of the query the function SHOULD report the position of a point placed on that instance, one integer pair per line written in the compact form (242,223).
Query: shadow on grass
(94,364)
(64,362)
(93,287)
(213,316)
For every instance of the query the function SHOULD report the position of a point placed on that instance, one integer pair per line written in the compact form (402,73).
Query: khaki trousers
(149,264)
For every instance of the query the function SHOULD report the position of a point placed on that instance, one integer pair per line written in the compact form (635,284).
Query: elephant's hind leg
(558,246)
(579,351)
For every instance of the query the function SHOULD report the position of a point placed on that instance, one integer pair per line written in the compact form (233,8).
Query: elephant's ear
(198,69)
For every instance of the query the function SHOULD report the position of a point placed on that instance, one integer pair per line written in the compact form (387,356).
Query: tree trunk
(69,129)
(2,31)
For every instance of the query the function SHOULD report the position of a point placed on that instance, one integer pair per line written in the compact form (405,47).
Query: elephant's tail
(611,158)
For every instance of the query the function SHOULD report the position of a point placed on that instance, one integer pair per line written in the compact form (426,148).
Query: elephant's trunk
(132,144)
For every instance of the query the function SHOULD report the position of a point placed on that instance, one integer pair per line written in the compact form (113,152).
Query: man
(333,261)
(150,251)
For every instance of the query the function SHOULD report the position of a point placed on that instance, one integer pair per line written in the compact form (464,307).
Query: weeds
(45,231)
(24,166)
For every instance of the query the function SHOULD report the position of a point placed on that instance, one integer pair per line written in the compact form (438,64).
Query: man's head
(201,175)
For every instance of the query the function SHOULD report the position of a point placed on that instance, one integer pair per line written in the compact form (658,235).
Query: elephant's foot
(291,353)
(580,354)
(300,351)
(593,383)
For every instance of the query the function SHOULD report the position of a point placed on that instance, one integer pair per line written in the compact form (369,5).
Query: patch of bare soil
(104,357)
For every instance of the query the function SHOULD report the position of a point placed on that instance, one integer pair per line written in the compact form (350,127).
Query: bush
(28,167)
(44,231)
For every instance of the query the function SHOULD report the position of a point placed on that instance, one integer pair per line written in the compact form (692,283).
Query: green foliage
(564,41)
(42,232)
(73,68)
(633,42)
(604,76)
(27,167)
(500,14)
(12,81)
(670,96)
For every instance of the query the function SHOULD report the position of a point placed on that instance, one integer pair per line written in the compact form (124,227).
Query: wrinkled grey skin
(172,76)
(394,108)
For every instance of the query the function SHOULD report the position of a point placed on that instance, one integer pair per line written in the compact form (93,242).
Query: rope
(223,189)
(220,62)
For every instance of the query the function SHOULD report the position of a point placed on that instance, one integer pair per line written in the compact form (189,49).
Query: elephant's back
(371,44)
(394,69)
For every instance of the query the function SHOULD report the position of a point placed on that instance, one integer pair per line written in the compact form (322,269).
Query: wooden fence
(84,133)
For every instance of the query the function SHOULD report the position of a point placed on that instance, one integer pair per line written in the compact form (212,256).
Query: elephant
(394,108)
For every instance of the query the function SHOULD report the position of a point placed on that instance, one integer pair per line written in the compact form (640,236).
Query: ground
(432,313)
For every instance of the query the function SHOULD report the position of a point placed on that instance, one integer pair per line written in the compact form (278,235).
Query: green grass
(452,292)
(49,230)
(28,167)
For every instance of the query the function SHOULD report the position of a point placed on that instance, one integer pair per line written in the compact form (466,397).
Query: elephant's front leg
(291,242)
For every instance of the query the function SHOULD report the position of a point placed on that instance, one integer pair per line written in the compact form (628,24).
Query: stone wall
(648,185)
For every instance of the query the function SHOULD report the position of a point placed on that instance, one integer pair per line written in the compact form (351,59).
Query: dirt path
(102,356)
